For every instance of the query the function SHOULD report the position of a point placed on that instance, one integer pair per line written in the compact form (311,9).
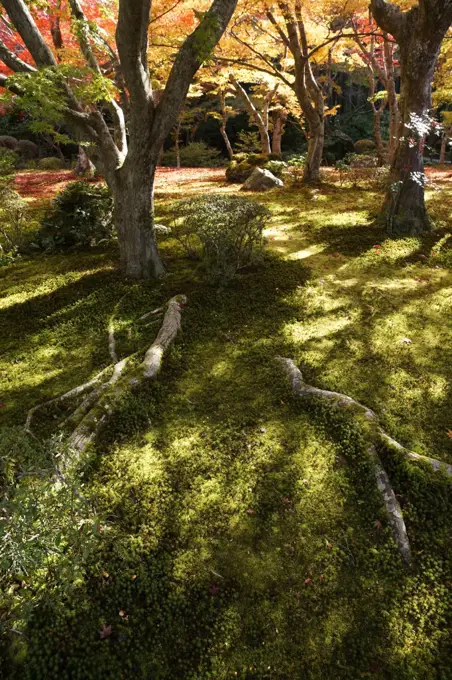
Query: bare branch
(13,61)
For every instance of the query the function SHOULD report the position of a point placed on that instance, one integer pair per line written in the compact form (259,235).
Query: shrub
(194,155)
(238,172)
(295,170)
(364,146)
(15,227)
(50,163)
(227,230)
(248,142)
(361,160)
(81,216)
(8,161)
(276,167)
(8,142)
(28,150)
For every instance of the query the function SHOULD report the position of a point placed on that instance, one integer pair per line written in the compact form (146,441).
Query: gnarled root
(377,437)
(103,394)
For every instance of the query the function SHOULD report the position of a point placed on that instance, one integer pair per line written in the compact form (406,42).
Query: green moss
(241,534)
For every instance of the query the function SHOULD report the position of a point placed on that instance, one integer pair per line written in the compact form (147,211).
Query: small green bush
(8,142)
(50,163)
(226,230)
(248,142)
(238,172)
(194,155)
(364,146)
(295,170)
(28,150)
(81,216)
(356,160)
(277,168)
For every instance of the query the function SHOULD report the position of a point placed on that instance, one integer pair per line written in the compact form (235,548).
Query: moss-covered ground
(230,530)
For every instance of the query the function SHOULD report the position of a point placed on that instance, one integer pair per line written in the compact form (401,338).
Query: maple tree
(419,32)
(104,92)
(292,42)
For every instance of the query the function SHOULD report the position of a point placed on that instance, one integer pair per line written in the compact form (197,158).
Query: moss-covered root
(377,436)
(120,383)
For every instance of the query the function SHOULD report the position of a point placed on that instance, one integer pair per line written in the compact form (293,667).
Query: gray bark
(419,34)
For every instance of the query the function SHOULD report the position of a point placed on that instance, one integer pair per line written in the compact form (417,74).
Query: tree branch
(25,25)
(132,42)
(389,17)
(194,51)
(13,61)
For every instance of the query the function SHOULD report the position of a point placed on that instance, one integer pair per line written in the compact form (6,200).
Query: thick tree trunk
(279,117)
(133,193)
(419,33)
(406,213)
(316,140)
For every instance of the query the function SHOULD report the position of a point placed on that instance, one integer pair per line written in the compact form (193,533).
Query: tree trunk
(83,167)
(224,120)
(254,115)
(279,121)
(419,34)
(406,213)
(316,139)
(378,138)
(393,104)
(133,193)
(442,153)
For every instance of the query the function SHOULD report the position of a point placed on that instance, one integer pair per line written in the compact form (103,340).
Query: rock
(261,180)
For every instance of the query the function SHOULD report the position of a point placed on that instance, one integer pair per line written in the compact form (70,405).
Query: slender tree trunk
(224,120)
(377,113)
(393,104)
(442,153)
(255,116)
(279,117)
(133,193)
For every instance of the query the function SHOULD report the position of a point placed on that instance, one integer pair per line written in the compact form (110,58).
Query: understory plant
(225,231)
(81,216)
(14,219)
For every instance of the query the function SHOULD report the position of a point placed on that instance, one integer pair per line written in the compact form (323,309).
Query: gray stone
(261,180)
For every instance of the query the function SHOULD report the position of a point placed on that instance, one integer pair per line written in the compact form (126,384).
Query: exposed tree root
(104,394)
(377,437)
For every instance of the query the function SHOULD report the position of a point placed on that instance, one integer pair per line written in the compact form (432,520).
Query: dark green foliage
(228,230)
(81,216)
(28,150)
(8,142)
(194,155)
(50,163)
(364,146)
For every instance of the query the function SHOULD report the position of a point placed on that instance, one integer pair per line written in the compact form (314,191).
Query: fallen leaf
(449,433)
(105,632)
(307,581)
(406,341)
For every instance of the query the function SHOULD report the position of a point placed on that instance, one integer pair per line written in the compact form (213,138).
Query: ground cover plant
(221,527)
